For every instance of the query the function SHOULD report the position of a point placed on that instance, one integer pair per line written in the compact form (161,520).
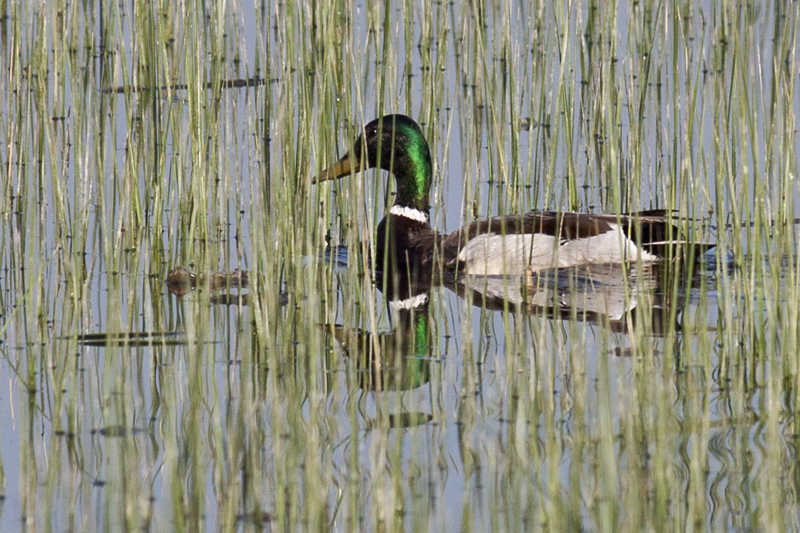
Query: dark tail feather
(677,248)
(659,237)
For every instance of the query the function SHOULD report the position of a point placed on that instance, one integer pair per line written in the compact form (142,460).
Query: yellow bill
(344,167)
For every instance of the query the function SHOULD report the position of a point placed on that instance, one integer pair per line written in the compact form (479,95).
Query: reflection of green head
(412,368)
(422,334)
(405,363)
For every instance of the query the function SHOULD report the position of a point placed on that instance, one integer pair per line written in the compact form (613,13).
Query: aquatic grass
(258,421)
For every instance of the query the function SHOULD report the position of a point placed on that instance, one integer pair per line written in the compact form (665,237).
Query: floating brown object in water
(181,280)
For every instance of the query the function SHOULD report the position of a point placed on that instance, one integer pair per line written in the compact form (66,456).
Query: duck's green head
(394,143)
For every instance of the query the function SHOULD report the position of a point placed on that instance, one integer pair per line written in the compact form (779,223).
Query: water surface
(129,152)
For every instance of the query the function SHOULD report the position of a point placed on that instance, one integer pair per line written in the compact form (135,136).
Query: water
(220,413)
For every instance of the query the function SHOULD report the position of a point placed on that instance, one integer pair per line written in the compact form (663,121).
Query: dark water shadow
(133,339)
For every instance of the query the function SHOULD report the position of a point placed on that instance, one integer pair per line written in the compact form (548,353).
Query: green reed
(127,155)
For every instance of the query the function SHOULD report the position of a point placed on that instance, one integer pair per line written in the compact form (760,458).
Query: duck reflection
(615,295)
(397,360)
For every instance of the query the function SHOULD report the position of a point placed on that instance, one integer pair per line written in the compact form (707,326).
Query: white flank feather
(494,255)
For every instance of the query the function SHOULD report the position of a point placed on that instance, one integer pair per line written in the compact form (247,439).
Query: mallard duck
(408,246)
